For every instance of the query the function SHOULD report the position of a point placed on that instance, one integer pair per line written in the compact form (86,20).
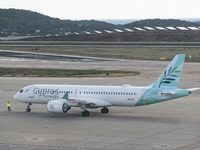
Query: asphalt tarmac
(170,125)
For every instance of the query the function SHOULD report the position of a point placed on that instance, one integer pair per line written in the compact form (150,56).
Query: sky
(109,9)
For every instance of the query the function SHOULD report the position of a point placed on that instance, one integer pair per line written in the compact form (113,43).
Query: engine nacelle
(57,106)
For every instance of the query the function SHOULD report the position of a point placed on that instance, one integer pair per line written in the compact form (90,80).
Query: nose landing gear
(28,109)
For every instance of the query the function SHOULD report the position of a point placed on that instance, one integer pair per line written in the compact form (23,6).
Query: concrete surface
(170,125)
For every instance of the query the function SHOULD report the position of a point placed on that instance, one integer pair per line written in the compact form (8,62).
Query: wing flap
(91,102)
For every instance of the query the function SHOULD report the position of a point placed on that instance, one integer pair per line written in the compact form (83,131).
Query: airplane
(60,98)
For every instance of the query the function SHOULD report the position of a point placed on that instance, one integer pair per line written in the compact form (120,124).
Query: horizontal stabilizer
(166,93)
(193,89)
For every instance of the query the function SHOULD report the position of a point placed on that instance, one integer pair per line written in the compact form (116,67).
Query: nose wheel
(28,109)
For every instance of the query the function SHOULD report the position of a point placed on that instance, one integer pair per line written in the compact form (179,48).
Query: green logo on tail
(165,88)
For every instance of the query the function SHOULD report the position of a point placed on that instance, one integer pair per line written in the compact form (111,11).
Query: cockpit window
(21,91)
(26,90)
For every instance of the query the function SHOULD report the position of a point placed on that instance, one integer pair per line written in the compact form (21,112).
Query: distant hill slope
(25,22)
(17,22)
(197,23)
(160,23)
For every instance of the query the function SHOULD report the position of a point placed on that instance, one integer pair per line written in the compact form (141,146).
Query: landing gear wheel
(28,110)
(104,110)
(85,113)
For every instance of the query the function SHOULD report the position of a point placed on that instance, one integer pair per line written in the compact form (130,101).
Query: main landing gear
(86,113)
(104,110)
(28,109)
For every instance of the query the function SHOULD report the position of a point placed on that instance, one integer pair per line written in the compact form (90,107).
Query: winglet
(170,77)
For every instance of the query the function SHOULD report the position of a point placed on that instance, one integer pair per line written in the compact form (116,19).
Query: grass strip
(121,52)
(27,72)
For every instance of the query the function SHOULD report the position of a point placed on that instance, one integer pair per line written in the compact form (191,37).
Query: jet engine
(57,106)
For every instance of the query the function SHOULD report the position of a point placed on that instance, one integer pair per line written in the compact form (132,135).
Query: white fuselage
(124,95)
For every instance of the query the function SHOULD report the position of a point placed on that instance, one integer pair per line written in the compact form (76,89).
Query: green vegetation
(27,72)
(147,36)
(24,22)
(159,23)
(119,52)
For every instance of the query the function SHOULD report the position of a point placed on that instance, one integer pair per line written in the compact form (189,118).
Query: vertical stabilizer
(170,77)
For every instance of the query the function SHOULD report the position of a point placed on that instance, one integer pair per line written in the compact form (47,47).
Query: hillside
(197,23)
(24,22)
(14,22)
(160,23)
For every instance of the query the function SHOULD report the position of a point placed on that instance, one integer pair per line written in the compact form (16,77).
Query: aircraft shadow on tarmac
(96,115)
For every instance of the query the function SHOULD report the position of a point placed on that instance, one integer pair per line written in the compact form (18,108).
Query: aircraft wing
(88,102)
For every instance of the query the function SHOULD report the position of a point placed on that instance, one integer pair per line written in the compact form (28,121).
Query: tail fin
(170,77)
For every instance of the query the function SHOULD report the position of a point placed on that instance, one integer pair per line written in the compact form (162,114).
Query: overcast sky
(109,9)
